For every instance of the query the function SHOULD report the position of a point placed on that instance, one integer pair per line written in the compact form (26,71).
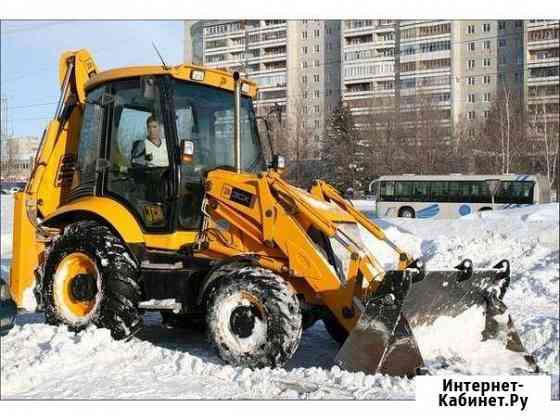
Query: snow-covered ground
(41,361)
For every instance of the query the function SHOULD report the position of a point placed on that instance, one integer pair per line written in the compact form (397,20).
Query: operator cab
(148,142)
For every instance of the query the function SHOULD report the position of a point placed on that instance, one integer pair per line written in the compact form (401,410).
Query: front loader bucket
(383,342)
(452,293)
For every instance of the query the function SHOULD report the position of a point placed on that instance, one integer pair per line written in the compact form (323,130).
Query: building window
(471,98)
(471,115)
(486,62)
(486,27)
(503,59)
(316,137)
(502,43)
(317,48)
(470,29)
(471,46)
(316,78)
(316,33)
(304,94)
(487,45)
(317,123)
(304,50)
(501,25)
(486,80)
(304,35)
(486,97)
(317,93)
(486,114)
(304,79)
(317,109)
(470,81)
(316,63)
(304,64)
(470,64)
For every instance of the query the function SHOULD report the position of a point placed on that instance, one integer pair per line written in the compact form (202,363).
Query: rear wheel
(90,278)
(407,212)
(254,318)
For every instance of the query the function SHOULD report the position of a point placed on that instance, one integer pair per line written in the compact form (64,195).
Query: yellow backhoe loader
(150,192)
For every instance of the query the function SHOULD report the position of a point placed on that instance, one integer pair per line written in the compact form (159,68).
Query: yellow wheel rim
(71,266)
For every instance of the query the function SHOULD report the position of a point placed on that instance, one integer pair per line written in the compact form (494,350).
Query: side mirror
(278,162)
(187,151)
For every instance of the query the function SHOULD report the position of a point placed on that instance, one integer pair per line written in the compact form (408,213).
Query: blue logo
(464,210)
(428,212)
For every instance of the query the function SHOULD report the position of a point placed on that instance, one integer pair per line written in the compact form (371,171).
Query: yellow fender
(114,213)
(27,250)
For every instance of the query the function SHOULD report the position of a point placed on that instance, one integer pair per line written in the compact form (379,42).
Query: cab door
(139,170)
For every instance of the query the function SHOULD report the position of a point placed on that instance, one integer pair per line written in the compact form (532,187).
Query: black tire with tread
(121,292)
(284,318)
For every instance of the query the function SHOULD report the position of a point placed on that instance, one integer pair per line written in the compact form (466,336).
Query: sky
(30,51)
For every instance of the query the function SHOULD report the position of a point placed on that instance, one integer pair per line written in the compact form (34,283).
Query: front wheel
(254,318)
(90,278)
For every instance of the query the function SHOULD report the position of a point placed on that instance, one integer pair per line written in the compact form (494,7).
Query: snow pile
(42,361)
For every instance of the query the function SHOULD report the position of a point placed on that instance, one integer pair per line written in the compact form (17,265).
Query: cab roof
(212,77)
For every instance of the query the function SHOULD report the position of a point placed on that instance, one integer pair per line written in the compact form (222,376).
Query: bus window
(480,192)
(439,191)
(522,192)
(403,190)
(387,191)
(503,196)
(515,192)
(454,193)
(420,192)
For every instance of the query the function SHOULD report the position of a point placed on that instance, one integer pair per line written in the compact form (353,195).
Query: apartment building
(454,68)
(487,62)
(294,63)
(542,74)
(368,66)
(16,157)
(425,70)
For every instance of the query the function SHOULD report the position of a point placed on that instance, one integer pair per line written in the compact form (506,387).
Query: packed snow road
(41,361)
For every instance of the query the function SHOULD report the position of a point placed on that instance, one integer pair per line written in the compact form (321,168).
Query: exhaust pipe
(237,122)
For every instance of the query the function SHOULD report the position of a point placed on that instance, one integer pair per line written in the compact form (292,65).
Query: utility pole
(4,136)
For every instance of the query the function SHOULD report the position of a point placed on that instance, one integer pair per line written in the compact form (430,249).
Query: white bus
(450,196)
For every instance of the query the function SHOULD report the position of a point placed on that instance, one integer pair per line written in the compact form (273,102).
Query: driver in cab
(152,151)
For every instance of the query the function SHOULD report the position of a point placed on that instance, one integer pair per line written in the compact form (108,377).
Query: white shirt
(158,153)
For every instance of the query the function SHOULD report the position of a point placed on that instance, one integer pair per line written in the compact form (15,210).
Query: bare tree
(503,135)
(298,144)
(543,129)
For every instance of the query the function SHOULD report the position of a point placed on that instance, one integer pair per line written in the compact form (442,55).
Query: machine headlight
(197,75)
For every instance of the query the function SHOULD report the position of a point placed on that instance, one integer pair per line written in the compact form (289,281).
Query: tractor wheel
(337,332)
(254,318)
(90,278)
